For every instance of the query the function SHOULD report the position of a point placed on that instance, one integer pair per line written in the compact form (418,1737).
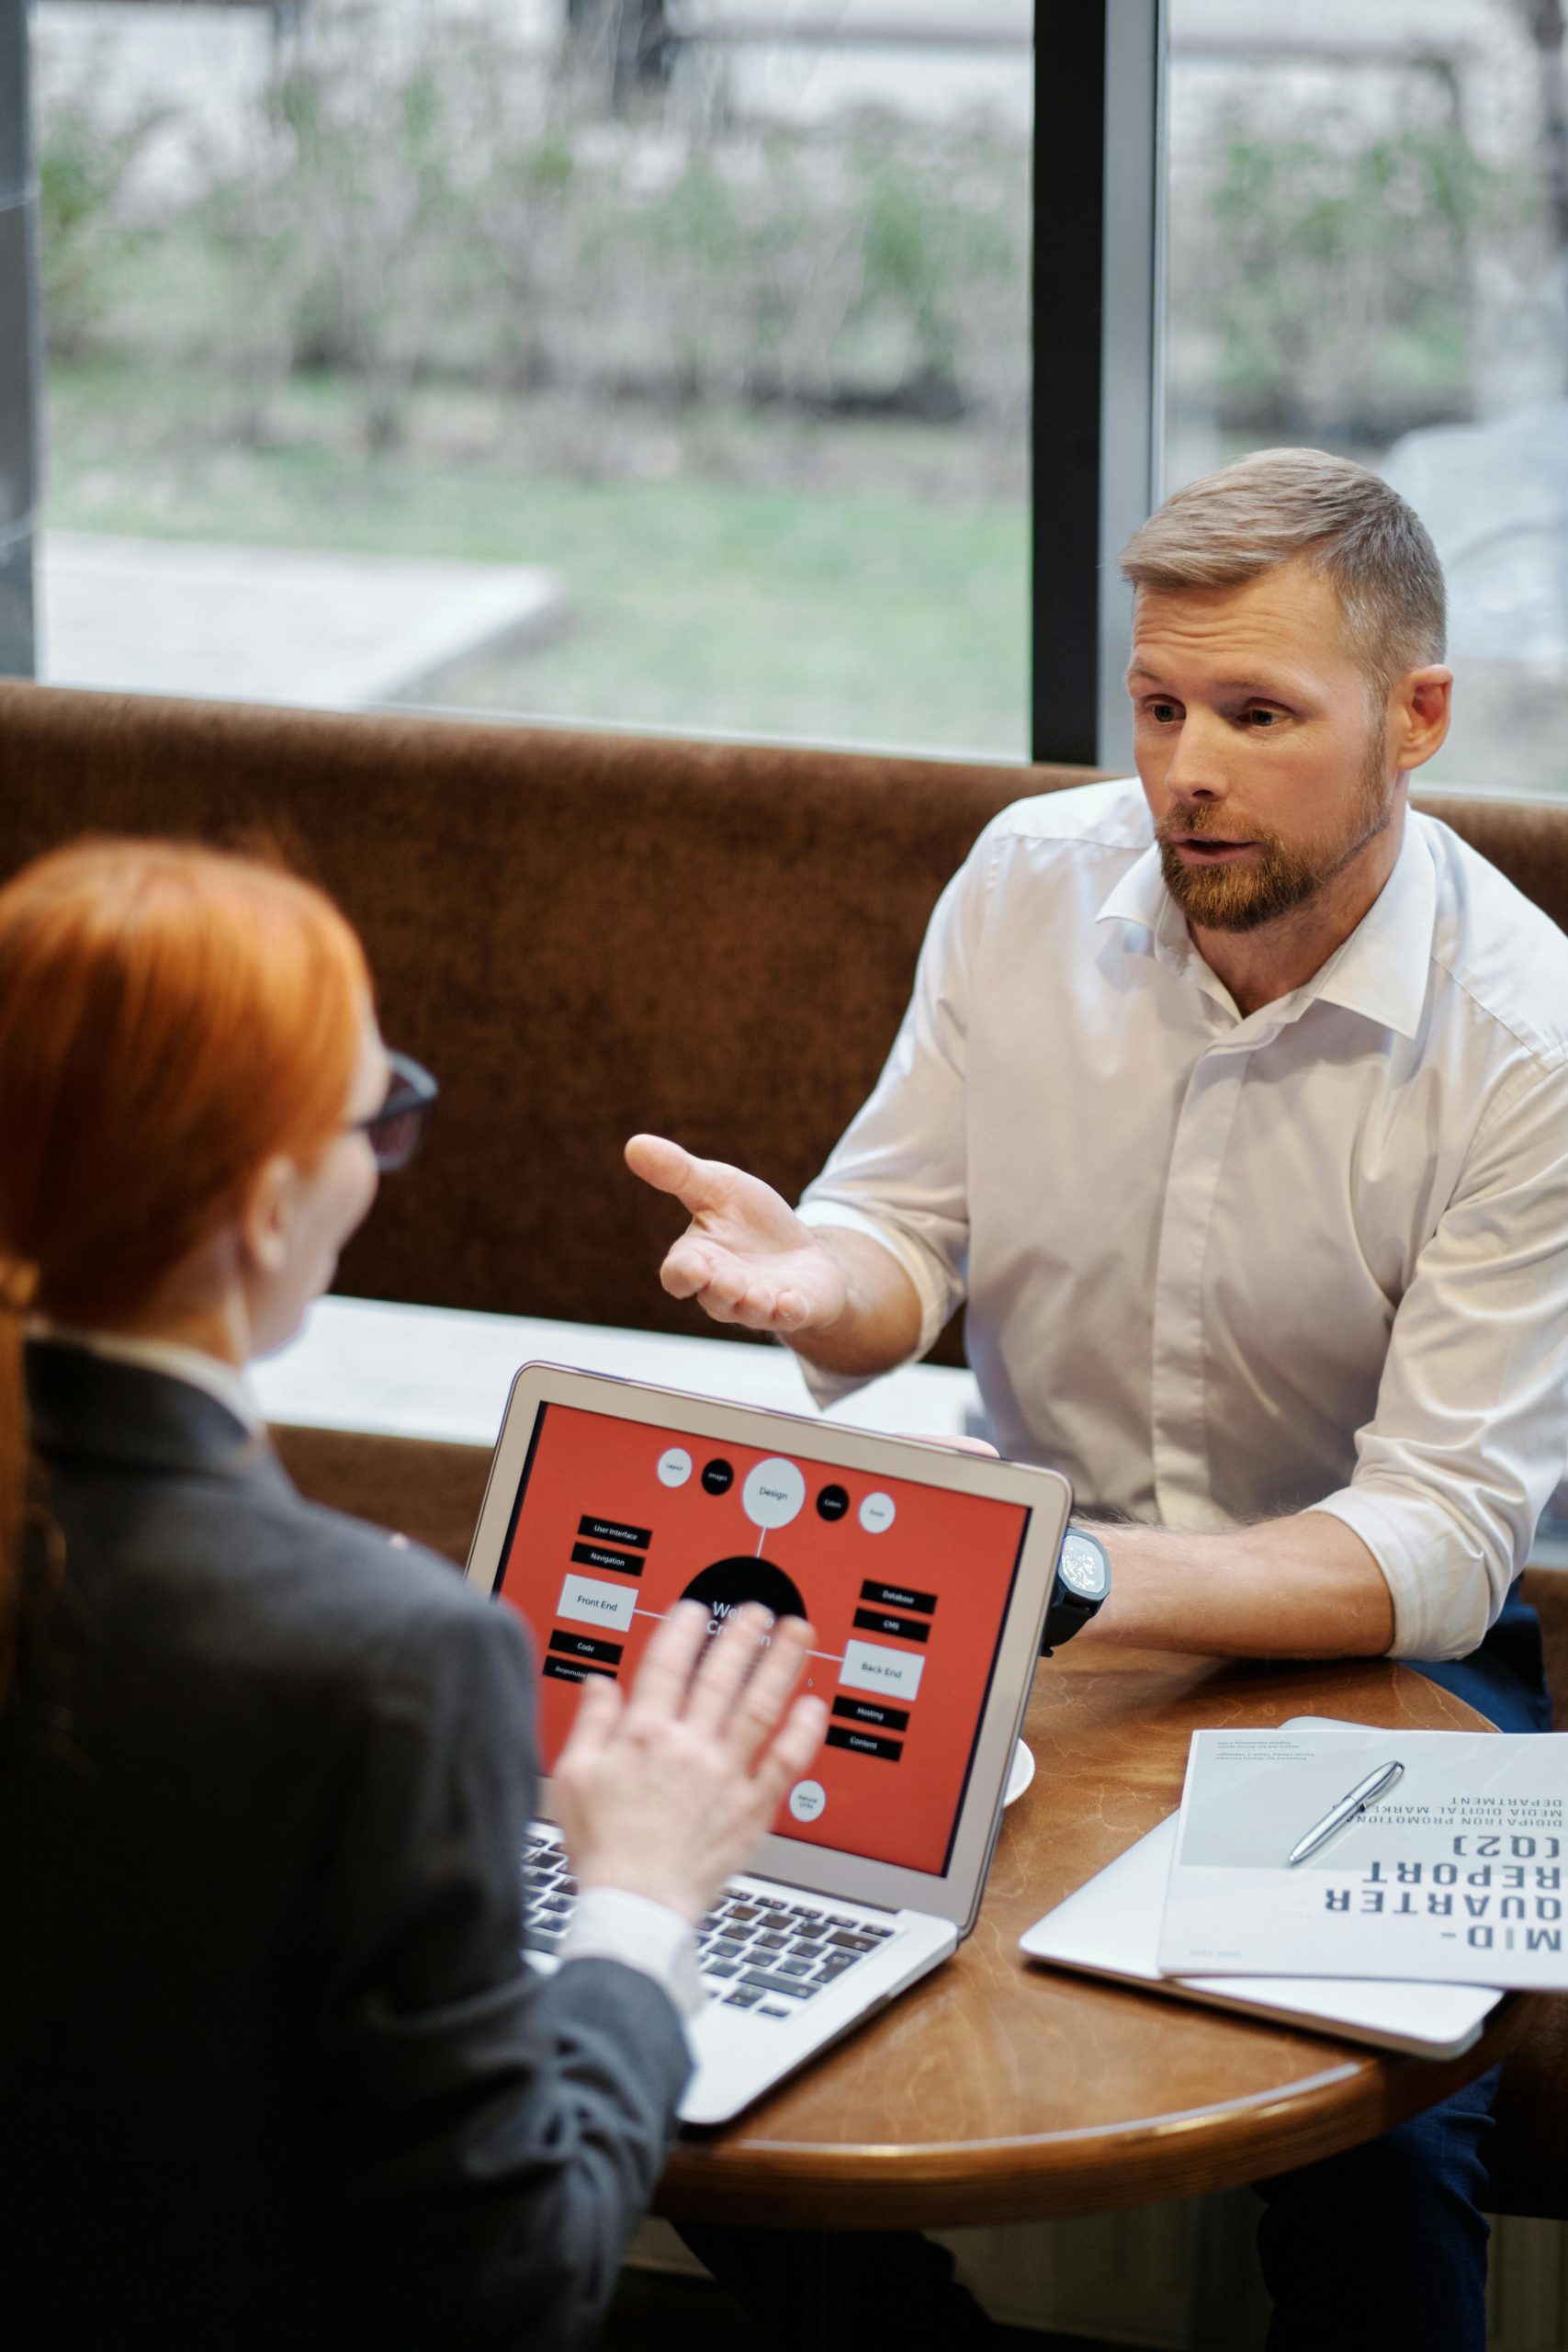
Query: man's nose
(1197,770)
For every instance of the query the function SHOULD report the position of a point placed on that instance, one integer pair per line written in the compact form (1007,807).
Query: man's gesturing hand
(746,1256)
(667,1794)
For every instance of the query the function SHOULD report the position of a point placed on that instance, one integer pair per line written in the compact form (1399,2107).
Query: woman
(271,2069)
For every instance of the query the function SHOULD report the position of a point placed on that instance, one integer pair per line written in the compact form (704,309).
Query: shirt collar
(1380,971)
(1384,967)
(1142,898)
(226,1382)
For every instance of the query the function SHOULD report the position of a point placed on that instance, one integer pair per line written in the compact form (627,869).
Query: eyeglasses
(396,1129)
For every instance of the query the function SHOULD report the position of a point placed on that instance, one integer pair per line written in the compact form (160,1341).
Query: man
(1236,1104)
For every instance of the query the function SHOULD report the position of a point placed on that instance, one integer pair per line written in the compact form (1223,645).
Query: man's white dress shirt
(1220,1269)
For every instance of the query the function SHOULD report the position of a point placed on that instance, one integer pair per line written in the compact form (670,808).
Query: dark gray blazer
(272,2073)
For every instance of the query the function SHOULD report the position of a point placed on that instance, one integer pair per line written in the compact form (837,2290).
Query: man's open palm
(746,1256)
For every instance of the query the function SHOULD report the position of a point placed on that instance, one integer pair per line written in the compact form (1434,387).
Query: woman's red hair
(170,1018)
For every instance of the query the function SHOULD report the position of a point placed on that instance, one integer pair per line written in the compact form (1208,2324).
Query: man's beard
(1244,897)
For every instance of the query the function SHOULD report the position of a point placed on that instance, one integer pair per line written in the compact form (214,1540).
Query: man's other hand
(746,1256)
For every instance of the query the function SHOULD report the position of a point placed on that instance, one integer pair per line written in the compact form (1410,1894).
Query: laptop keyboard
(755,1952)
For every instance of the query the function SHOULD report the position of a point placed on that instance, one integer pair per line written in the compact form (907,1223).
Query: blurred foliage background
(756,387)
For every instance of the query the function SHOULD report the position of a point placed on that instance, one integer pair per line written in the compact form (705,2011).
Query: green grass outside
(874,614)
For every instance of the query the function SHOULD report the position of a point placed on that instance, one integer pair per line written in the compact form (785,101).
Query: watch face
(1083,1565)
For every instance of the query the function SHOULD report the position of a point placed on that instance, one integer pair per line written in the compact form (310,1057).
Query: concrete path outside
(275,624)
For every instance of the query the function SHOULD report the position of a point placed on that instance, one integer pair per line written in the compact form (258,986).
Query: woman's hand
(666,1792)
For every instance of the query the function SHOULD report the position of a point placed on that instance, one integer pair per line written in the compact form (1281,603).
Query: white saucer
(1020,1775)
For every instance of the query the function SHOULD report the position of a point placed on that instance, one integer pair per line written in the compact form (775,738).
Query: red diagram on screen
(906,1585)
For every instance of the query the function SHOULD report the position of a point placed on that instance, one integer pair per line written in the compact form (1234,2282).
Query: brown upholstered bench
(585,935)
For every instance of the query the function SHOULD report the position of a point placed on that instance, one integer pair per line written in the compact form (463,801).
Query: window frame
(20,350)
(1099,75)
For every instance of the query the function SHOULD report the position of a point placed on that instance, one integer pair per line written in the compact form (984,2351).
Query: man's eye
(1163,712)
(1257,718)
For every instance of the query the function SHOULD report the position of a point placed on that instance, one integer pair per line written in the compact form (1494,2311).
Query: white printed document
(1436,1856)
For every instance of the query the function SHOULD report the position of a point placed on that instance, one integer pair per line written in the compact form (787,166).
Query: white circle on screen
(773,1493)
(807,1799)
(877,1514)
(674,1467)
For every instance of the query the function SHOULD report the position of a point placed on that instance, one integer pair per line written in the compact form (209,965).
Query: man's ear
(266,1212)
(1422,707)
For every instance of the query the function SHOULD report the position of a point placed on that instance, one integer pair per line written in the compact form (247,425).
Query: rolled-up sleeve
(899,1172)
(1470,1434)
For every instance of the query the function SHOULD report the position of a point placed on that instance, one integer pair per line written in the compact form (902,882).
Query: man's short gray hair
(1279,504)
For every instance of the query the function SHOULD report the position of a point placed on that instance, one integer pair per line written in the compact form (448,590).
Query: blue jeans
(1386,2247)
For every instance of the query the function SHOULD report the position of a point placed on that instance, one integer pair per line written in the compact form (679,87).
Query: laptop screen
(906,1586)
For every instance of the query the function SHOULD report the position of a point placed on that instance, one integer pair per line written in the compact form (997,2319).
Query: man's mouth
(1208,849)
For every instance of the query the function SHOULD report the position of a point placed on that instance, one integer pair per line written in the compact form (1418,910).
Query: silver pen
(1365,1792)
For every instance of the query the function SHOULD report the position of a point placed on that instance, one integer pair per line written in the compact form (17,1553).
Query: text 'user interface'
(906,1585)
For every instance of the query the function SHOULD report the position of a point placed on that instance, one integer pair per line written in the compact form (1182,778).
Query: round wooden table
(997,2090)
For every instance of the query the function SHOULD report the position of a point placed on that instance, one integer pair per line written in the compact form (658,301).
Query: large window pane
(1368,252)
(610,360)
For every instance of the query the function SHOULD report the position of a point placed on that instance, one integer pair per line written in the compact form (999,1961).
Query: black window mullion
(1098,187)
(1066,331)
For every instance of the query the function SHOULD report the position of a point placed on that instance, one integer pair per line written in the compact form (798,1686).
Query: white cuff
(932,1290)
(609,1924)
(828,1388)
(1435,1571)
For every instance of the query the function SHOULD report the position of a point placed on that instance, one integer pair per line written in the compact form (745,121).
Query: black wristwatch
(1078,1588)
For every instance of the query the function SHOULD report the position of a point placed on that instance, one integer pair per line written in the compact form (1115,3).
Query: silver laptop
(926,1573)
